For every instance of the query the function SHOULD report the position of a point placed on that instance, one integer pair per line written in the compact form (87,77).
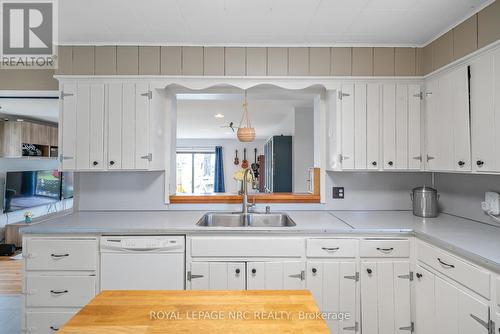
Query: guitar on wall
(244,163)
(236,160)
(255,165)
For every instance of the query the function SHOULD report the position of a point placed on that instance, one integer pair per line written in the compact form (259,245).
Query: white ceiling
(260,22)
(38,109)
(195,118)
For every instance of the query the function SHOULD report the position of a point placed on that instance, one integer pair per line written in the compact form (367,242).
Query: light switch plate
(492,200)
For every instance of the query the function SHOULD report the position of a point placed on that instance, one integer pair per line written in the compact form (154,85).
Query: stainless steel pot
(425,202)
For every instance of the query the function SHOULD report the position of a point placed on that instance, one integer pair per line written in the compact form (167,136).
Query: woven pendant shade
(245,131)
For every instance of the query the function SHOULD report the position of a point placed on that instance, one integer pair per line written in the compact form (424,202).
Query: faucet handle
(268,209)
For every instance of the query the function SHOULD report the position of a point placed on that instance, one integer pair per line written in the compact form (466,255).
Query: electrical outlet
(492,202)
(338,192)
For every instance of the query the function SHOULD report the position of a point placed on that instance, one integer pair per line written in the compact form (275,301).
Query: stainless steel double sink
(236,219)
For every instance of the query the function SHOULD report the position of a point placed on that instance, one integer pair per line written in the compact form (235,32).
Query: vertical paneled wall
(474,33)
(239,61)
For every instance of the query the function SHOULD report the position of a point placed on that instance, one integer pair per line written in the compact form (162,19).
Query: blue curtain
(219,171)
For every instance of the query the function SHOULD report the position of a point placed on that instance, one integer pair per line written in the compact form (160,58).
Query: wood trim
(236,199)
(225,198)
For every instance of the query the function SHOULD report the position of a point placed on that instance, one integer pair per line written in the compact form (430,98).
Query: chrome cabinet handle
(446,264)
(330,249)
(59,255)
(59,292)
(55,329)
(385,249)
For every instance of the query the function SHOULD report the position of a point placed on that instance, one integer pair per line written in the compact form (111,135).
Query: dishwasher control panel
(148,243)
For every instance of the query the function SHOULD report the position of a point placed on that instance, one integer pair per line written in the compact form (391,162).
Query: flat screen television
(28,189)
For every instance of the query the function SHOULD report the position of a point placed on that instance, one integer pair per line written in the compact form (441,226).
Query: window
(195,172)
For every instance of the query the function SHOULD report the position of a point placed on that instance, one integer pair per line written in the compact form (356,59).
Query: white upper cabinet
(348,129)
(114,126)
(447,114)
(485,109)
(389,126)
(375,126)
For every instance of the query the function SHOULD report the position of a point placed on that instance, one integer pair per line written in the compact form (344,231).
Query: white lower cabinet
(217,276)
(60,277)
(334,286)
(43,322)
(385,297)
(269,275)
(443,307)
(278,275)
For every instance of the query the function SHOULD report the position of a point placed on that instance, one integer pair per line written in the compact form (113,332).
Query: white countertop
(168,222)
(475,241)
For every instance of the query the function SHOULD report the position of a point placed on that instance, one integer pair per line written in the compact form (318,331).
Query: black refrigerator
(278,164)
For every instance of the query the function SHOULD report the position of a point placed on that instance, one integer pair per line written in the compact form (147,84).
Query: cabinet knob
(314,270)
(111,162)
(254,271)
(419,275)
(461,163)
(369,271)
(390,163)
(374,163)
(480,163)
(237,271)
(95,163)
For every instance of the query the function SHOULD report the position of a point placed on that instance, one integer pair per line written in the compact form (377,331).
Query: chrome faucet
(245,205)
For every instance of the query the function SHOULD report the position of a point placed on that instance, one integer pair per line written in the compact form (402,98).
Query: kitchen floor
(10,295)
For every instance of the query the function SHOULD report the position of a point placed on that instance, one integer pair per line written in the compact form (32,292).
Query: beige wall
(474,33)
(238,61)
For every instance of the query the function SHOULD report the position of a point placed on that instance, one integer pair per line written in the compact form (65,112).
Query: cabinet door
(385,295)
(414,127)
(439,103)
(485,108)
(275,275)
(373,126)
(461,120)
(441,307)
(334,286)
(83,127)
(401,160)
(389,125)
(114,128)
(347,130)
(425,301)
(96,131)
(128,126)
(68,127)
(142,121)
(217,276)
(360,126)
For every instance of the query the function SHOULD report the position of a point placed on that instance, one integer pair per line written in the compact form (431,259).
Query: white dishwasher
(142,262)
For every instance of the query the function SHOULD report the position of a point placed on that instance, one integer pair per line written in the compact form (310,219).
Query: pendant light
(245,132)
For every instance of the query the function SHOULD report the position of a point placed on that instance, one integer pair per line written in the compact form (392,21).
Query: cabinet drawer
(247,246)
(384,248)
(467,274)
(59,291)
(46,322)
(346,248)
(61,254)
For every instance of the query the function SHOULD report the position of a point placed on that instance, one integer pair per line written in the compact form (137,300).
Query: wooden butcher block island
(155,312)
